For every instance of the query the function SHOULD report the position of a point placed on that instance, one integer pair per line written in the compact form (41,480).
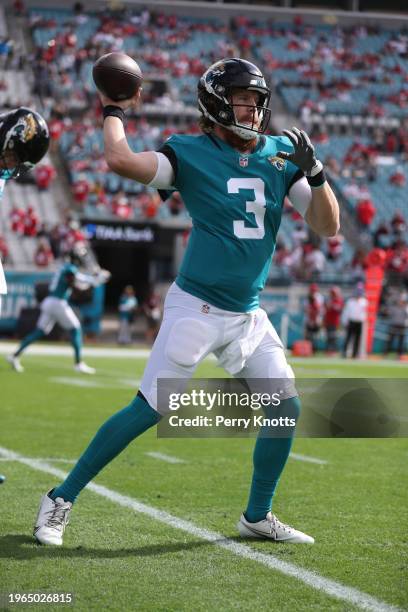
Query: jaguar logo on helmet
(24,132)
(30,128)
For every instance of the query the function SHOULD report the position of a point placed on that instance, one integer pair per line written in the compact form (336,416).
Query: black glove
(304,155)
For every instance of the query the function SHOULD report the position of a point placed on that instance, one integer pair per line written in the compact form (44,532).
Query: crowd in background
(73,111)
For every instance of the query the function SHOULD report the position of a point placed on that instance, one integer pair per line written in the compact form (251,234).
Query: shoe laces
(275,524)
(59,515)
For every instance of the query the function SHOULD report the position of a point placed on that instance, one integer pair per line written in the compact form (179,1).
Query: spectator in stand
(72,235)
(120,206)
(332,313)
(56,128)
(150,204)
(43,255)
(398,178)
(4,250)
(44,174)
(335,247)
(366,212)
(314,314)
(55,241)
(127,311)
(398,224)
(333,166)
(382,237)
(282,254)
(31,222)
(397,265)
(314,261)
(398,324)
(353,318)
(357,266)
(299,234)
(80,189)
(153,312)
(17,216)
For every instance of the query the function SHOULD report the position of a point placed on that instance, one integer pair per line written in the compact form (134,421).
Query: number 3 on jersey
(256,206)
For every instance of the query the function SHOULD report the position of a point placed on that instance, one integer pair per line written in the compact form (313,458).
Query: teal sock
(35,335)
(270,456)
(111,439)
(76,341)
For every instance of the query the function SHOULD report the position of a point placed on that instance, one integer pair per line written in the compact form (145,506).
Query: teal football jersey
(59,287)
(235,201)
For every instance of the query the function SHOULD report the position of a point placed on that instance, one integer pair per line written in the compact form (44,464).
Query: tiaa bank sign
(20,294)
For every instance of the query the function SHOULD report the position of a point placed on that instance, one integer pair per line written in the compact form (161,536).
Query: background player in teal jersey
(56,309)
(24,141)
(233,180)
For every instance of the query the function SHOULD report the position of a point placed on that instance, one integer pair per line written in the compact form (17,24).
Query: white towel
(234,356)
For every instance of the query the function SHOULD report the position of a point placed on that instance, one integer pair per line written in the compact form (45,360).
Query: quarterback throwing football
(233,180)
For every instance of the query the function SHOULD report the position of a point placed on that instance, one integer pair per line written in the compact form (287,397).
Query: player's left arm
(322,213)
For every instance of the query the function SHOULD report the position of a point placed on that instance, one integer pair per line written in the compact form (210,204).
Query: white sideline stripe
(320,583)
(308,459)
(164,457)
(65,351)
(93,351)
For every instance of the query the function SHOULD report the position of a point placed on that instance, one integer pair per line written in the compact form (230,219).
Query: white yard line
(96,382)
(43,459)
(320,583)
(308,459)
(163,457)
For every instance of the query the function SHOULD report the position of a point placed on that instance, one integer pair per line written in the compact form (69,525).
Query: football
(117,76)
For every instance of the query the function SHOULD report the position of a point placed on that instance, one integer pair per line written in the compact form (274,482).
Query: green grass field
(117,558)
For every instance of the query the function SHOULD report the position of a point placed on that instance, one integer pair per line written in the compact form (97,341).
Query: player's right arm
(147,167)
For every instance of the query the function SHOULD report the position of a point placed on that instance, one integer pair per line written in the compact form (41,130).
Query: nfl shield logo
(243,162)
(205,308)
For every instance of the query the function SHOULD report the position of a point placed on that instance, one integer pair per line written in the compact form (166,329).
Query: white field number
(256,206)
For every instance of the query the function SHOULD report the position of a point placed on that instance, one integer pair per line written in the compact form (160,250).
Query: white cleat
(271,528)
(51,520)
(15,363)
(83,368)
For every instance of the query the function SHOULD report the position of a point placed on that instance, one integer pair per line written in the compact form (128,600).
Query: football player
(24,140)
(56,309)
(233,180)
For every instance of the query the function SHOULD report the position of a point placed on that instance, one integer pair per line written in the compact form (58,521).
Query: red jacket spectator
(43,255)
(366,211)
(398,259)
(44,174)
(80,190)
(56,128)
(398,178)
(314,307)
(333,308)
(31,222)
(17,216)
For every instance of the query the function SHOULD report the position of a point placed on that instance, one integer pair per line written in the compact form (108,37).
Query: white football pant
(54,310)
(191,329)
